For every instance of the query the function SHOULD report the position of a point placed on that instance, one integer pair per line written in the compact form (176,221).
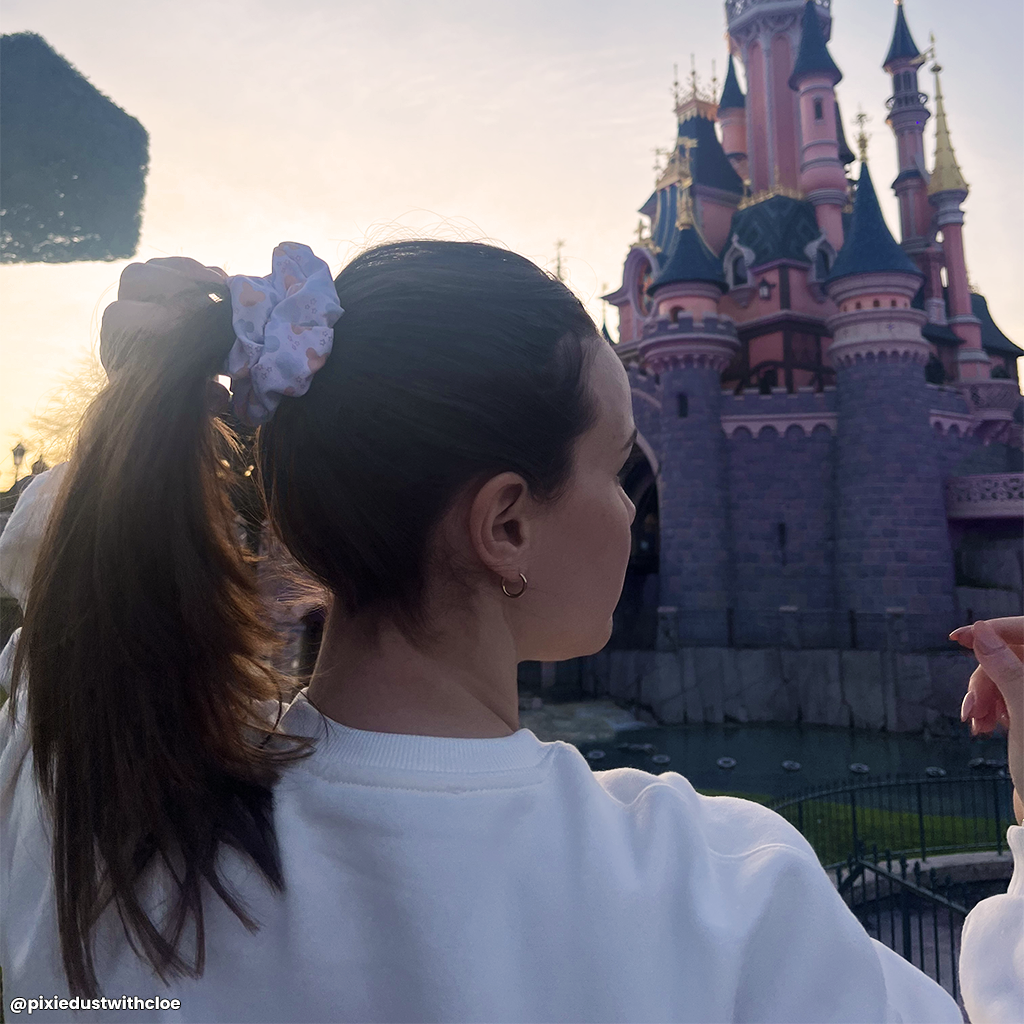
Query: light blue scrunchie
(284,331)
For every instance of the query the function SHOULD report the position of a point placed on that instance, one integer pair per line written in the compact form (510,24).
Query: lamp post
(18,451)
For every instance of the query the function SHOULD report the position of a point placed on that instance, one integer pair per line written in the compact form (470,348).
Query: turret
(892,542)
(688,344)
(946,191)
(732,116)
(907,117)
(822,177)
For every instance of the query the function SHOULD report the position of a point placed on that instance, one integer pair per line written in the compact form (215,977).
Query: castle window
(876,304)
(858,305)
(892,302)
(819,114)
(821,264)
(739,271)
(684,405)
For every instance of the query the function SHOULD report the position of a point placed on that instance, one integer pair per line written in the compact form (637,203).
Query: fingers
(983,704)
(1010,628)
(1003,667)
(161,280)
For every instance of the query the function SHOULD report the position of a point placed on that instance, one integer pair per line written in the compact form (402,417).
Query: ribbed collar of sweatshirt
(339,747)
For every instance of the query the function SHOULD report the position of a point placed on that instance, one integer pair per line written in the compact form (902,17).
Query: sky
(339,124)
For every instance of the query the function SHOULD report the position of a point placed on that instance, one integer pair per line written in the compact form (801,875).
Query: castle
(830,421)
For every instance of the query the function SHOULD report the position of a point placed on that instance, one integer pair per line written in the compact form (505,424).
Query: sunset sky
(338,123)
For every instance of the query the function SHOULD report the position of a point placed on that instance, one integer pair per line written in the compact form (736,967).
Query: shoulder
(728,826)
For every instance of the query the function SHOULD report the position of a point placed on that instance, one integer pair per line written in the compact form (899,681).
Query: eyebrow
(632,439)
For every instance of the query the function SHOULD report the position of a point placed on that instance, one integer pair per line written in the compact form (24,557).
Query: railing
(734,8)
(985,496)
(996,398)
(920,922)
(915,816)
(907,99)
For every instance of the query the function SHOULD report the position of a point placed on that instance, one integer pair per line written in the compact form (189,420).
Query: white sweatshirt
(441,879)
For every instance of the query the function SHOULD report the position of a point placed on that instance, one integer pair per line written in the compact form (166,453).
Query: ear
(500,523)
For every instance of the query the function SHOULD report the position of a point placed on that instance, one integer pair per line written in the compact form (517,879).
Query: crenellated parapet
(683,340)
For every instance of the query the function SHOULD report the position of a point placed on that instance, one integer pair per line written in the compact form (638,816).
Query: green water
(824,755)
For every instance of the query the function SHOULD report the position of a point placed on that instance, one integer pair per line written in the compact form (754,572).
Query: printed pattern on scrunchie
(284,330)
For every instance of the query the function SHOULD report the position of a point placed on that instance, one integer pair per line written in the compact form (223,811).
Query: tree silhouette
(73,174)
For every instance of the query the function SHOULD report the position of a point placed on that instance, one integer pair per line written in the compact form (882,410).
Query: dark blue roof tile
(813,57)
(708,163)
(902,45)
(992,339)
(689,259)
(869,247)
(732,94)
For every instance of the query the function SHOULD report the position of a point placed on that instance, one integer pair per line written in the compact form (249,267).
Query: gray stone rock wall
(874,690)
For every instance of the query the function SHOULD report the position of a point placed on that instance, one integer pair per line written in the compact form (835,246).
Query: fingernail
(968,706)
(986,640)
(959,632)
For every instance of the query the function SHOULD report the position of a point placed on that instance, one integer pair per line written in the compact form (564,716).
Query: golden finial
(714,80)
(862,136)
(946,173)
(675,84)
(693,76)
(684,206)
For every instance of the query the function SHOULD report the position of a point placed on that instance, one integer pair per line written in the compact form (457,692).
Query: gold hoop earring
(520,592)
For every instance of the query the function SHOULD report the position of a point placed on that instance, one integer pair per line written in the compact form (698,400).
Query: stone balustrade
(986,496)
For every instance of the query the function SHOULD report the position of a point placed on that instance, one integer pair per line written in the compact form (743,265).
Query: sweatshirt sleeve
(992,949)
(808,958)
(800,954)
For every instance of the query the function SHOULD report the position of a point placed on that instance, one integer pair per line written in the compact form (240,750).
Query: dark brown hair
(145,645)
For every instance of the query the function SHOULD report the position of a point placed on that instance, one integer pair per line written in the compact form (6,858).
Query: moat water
(824,754)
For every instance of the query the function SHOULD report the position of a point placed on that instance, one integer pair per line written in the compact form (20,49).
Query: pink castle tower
(907,117)
(946,191)
(822,176)
(767,34)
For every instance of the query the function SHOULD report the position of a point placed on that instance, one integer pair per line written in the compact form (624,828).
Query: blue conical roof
(869,247)
(813,56)
(732,94)
(846,155)
(689,259)
(902,45)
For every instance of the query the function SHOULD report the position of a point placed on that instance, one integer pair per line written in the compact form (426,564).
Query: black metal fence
(908,911)
(914,816)
(648,628)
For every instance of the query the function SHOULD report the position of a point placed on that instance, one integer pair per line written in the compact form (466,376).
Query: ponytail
(146,654)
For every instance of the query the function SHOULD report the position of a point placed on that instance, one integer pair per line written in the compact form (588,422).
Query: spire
(813,56)
(946,177)
(732,94)
(902,46)
(869,247)
(846,155)
(689,259)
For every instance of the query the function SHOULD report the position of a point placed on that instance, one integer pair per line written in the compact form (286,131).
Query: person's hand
(151,299)
(995,693)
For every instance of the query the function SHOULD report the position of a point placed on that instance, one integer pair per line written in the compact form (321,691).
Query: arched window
(739,270)
(819,114)
(821,264)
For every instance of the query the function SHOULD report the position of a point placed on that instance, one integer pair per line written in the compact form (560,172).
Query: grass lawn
(829,829)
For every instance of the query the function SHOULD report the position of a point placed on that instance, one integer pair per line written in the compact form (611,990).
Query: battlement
(780,410)
(712,324)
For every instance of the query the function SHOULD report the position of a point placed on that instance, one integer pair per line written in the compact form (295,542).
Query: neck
(465,687)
